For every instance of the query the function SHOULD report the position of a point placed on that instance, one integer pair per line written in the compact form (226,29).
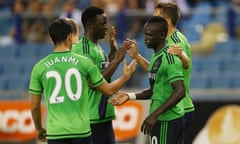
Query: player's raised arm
(134,54)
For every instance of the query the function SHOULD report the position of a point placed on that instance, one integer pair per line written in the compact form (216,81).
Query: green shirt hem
(94,121)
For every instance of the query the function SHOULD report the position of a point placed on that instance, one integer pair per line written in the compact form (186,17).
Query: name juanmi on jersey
(63,59)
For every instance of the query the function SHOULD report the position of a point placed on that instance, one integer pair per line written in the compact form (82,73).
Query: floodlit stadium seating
(220,81)
(199,81)
(12,67)
(221,67)
(28,50)
(8,51)
(3,85)
(44,49)
(17,83)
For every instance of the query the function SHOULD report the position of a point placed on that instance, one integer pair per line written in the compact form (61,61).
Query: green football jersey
(94,51)
(165,68)
(62,77)
(179,39)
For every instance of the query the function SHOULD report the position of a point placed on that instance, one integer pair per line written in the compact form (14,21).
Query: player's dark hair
(75,27)
(161,22)
(170,11)
(59,29)
(89,15)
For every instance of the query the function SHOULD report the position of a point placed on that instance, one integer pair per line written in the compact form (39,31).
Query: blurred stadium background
(211,26)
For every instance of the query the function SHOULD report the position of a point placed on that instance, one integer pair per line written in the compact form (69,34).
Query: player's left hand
(148,124)
(119,98)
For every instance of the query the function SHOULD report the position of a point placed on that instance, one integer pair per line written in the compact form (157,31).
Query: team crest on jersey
(152,76)
(152,73)
(104,65)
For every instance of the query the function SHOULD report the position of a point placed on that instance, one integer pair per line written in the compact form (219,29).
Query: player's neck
(91,37)
(61,48)
(161,46)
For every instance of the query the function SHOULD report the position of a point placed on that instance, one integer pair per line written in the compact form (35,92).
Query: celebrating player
(94,20)
(62,77)
(165,122)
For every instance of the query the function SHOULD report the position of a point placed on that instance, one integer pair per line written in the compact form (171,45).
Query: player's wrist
(126,77)
(135,56)
(139,57)
(182,54)
(113,48)
(132,96)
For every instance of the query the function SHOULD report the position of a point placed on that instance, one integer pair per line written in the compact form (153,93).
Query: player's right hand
(176,50)
(129,69)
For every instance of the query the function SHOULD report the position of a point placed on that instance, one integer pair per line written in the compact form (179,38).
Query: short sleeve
(175,70)
(95,75)
(35,86)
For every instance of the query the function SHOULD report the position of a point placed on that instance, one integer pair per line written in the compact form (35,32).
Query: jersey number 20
(55,97)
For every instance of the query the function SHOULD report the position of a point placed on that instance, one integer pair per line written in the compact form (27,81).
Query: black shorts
(167,132)
(102,133)
(188,120)
(85,140)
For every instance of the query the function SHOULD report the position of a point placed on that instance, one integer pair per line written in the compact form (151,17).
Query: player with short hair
(62,77)
(94,21)
(165,122)
(178,46)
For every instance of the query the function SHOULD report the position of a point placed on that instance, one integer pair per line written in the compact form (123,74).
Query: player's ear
(89,25)
(163,35)
(70,37)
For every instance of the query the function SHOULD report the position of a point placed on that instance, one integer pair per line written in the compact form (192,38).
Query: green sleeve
(175,70)
(95,75)
(35,86)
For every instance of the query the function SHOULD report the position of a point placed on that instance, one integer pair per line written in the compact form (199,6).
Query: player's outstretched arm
(134,54)
(36,115)
(109,89)
(113,43)
(122,97)
(177,50)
